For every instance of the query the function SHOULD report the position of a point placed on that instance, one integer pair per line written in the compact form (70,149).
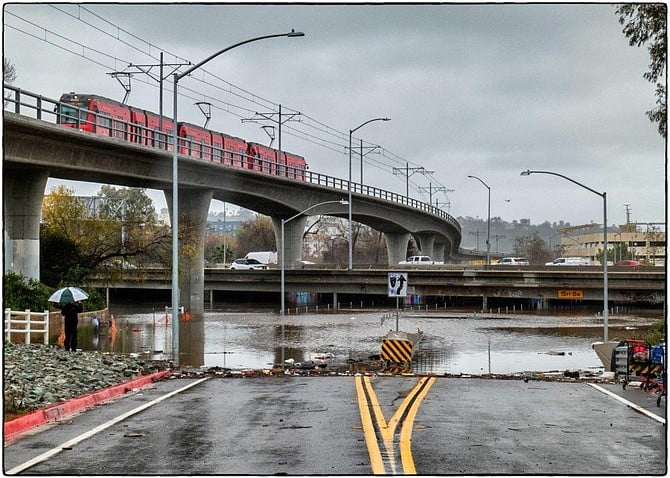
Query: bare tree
(8,71)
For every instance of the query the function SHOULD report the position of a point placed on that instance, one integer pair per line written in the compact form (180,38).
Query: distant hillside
(503,233)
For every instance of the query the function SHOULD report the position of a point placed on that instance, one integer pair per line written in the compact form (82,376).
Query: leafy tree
(219,248)
(656,334)
(532,247)
(645,23)
(58,256)
(21,293)
(619,251)
(60,253)
(133,226)
(77,238)
(255,235)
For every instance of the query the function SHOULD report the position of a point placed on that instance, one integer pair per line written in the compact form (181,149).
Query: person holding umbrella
(70,297)
(70,313)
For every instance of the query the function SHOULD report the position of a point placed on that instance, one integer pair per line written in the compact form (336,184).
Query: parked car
(247,264)
(570,261)
(629,263)
(513,261)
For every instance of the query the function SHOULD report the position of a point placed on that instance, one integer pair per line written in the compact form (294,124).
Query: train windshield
(71,115)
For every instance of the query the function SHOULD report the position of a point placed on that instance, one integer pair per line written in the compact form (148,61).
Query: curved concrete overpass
(35,149)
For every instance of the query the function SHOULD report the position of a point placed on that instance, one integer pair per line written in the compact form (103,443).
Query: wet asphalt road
(312,425)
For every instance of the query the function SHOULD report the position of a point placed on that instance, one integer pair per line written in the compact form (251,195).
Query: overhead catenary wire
(308,129)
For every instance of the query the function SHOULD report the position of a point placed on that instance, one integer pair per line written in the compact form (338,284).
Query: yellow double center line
(380,431)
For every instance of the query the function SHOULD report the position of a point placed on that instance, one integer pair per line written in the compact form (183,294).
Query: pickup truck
(420,261)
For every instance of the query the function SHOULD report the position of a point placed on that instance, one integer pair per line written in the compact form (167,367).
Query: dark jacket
(70,312)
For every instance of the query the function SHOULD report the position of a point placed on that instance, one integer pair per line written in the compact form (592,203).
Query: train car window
(191,140)
(136,133)
(120,129)
(217,152)
(104,120)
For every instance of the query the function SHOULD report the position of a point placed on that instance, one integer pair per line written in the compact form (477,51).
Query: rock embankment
(37,376)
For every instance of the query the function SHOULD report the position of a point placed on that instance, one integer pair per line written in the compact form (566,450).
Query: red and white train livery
(106,117)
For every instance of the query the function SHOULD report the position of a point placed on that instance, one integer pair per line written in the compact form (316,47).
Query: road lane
(313,425)
(397,453)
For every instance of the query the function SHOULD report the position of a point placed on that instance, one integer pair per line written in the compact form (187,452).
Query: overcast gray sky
(486,90)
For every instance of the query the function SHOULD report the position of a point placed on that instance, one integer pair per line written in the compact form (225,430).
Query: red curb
(60,410)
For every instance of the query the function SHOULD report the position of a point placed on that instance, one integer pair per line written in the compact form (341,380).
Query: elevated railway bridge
(36,149)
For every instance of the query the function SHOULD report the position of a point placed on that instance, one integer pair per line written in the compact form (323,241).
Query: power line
(309,129)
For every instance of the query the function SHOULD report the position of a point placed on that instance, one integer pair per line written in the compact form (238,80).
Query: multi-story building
(645,242)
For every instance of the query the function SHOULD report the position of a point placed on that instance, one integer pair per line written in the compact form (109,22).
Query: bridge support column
(293,235)
(438,251)
(426,242)
(396,246)
(23,192)
(193,209)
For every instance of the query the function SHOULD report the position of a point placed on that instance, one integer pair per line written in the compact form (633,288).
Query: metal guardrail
(32,105)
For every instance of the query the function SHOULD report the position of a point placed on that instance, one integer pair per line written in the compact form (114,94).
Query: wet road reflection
(453,343)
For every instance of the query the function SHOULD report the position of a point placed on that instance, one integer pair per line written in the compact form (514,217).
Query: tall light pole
(488,222)
(351,132)
(175,185)
(282,266)
(603,195)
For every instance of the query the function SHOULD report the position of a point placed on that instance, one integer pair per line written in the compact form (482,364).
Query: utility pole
(431,190)
(498,236)
(407,171)
(477,233)
(370,149)
(280,120)
(146,69)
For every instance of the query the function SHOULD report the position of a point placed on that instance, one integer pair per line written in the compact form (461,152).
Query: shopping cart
(633,362)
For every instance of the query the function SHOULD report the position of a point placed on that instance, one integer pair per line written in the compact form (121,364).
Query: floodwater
(454,342)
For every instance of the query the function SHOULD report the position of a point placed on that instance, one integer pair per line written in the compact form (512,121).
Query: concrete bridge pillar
(438,251)
(396,246)
(425,243)
(193,209)
(22,198)
(293,235)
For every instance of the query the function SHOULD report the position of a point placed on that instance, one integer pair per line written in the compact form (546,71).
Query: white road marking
(632,405)
(70,443)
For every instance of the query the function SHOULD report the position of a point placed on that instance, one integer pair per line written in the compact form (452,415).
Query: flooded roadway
(454,342)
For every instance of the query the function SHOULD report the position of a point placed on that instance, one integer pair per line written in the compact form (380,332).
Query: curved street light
(603,195)
(282,283)
(351,132)
(488,222)
(175,185)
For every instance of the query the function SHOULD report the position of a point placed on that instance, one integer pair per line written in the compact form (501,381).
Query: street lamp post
(351,132)
(603,195)
(282,265)
(175,185)
(488,222)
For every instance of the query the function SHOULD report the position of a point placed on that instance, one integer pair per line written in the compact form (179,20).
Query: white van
(266,257)
(570,261)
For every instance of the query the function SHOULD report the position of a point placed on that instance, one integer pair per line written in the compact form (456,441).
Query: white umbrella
(68,294)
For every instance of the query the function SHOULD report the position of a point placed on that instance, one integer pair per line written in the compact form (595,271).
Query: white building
(645,241)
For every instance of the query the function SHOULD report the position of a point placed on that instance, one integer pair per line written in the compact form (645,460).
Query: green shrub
(21,293)
(657,333)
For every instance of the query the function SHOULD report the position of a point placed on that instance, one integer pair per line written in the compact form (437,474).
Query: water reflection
(453,343)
